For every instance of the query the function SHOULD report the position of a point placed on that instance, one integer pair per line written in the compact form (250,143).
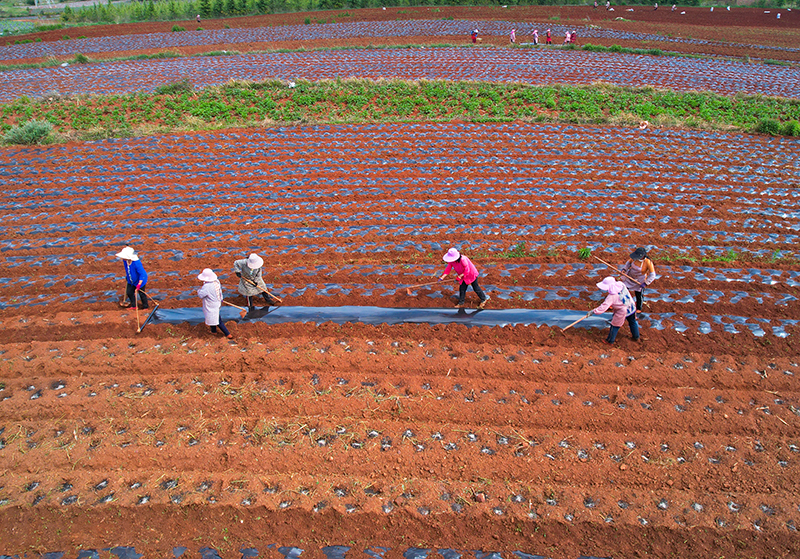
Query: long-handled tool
(149,316)
(254,284)
(577,321)
(241,314)
(615,269)
(136,306)
(410,287)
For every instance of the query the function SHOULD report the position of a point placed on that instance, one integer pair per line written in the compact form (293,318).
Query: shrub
(177,28)
(791,128)
(65,37)
(768,126)
(30,133)
(176,87)
(80,58)
(308,21)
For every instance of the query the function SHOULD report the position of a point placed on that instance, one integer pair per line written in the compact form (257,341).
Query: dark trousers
(639,299)
(221,327)
(462,291)
(251,302)
(612,334)
(130,293)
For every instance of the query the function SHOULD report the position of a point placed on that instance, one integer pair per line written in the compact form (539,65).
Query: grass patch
(29,133)
(178,106)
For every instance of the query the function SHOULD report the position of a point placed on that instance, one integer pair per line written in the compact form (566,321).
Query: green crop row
(180,107)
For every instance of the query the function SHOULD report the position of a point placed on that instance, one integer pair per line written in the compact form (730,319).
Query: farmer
(620,301)
(467,275)
(513,36)
(573,38)
(135,278)
(248,270)
(641,272)
(535,36)
(211,296)
(566,37)
(548,38)
(474,36)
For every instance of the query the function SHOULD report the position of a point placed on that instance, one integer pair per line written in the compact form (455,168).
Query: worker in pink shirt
(620,301)
(467,275)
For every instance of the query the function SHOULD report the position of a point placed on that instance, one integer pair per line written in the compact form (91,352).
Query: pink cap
(611,285)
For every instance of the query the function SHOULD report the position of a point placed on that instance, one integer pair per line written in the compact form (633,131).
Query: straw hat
(127,254)
(207,275)
(451,256)
(254,261)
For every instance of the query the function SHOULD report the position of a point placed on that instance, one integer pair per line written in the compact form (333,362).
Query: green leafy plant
(80,58)
(177,28)
(584,253)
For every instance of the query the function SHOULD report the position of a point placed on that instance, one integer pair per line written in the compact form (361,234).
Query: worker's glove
(238,274)
(642,285)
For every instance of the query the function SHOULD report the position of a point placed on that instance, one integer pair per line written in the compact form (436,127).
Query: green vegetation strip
(178,107)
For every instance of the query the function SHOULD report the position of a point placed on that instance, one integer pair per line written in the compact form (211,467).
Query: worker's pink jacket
(464,268)
(621,303)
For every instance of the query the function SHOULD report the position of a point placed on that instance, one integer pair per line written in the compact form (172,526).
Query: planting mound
(534,66)
(303,436)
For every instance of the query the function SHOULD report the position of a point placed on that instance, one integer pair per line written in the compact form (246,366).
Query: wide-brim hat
(611,285)
(254,261)
(451,256)
(639,254)
(127,254)
(207,275)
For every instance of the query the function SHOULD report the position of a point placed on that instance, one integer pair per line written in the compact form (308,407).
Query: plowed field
(413,440)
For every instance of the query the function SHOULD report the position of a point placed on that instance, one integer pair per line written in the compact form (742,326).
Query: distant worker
(548,38)
(513,36)
(535,36)
(640,272)
(474,36)
(198,18)
(135,278)
(620,301)
(251,282)
(211,296)
(467,275)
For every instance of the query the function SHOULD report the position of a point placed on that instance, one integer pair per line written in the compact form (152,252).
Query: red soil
(559,440)
(746,26)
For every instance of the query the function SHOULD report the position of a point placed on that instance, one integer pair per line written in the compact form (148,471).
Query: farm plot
(460,64)
(344,438)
